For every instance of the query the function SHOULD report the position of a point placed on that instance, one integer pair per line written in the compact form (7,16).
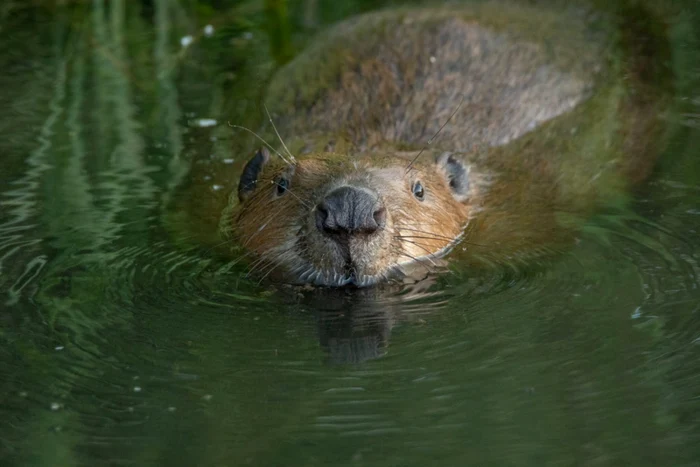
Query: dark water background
(118,348)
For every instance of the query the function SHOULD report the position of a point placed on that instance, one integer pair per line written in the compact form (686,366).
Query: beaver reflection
(354,325)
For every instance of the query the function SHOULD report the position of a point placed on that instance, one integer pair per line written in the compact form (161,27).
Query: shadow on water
(119,348)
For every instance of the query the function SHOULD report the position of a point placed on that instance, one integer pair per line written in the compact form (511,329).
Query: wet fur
(285,237)
(544,137)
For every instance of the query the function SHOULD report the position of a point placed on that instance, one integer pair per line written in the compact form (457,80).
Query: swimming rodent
(496,129)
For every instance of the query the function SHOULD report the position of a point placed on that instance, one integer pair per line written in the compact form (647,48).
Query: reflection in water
(354,325)
(118,348)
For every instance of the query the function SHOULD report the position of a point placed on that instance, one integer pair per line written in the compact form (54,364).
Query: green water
(119,348)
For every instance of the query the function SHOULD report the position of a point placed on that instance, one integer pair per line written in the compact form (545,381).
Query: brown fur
(551,127)
(281,230)
(399,75)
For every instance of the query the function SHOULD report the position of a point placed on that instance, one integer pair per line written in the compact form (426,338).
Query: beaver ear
(457,174)
(251,171)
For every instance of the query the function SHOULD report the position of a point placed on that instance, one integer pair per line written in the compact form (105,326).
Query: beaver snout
(349,210)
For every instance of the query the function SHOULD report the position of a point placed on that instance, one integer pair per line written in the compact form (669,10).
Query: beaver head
(331,219)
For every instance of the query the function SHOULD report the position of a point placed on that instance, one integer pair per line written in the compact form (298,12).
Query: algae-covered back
(397,75)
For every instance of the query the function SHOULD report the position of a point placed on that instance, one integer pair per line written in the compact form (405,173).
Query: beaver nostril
(321,217)
(350,211)
(379,216)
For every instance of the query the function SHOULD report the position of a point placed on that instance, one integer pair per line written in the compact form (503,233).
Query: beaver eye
(418,191)
(282,185)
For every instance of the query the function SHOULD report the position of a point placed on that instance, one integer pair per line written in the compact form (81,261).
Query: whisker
(419,237)
(436,237)
(292,193)
(293,160)
(260,265)
(276,264)
(433,235)
(269,271)
(428,235)
(417,260)
(422,248)
(260,138)
(430,141)
(424,224)
(421,259)
(263,225)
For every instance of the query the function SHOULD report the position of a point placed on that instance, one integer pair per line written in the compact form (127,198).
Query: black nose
(349,210)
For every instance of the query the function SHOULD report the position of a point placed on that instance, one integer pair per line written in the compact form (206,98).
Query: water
(119,347)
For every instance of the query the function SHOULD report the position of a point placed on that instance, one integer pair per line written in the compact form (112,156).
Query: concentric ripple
(119,346)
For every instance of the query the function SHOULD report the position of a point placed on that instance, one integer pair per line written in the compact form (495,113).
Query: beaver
(406,133)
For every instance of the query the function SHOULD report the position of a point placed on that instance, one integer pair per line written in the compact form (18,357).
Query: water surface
(119,347)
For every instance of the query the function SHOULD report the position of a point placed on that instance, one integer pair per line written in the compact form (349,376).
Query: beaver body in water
(409,132)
